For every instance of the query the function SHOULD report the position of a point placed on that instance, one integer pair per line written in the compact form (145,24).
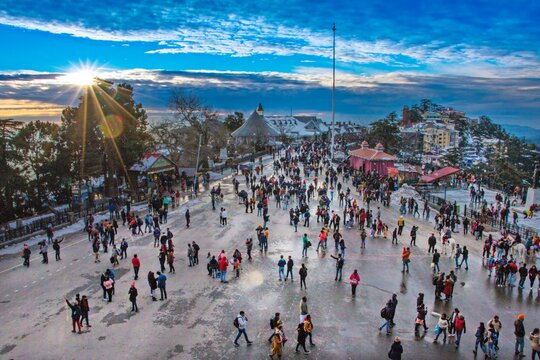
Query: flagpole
(333,91)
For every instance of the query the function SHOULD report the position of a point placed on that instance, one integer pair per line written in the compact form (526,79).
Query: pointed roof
(372,154)
(255,125)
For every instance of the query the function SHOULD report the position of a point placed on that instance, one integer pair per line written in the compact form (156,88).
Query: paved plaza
(196,321)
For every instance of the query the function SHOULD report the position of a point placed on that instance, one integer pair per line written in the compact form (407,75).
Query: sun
(82,75)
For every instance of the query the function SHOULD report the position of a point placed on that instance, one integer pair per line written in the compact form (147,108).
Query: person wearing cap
(519,332)
(133,297)
(396,349)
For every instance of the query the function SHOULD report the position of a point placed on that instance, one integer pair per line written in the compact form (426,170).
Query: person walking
(152,282)
(136,262)
(273,323)
(56,248)
(188,218)
(421,312)
(435,261)
(396,349)
(303,275)
(304,311)
(290,265)
(240,322)
(301,338)
(281,268)
(387,316)
(465,258)
(460,328)
(308,329)
(162,284)
(480,336)
(519,332)
(441,328)
(339,266)
(133,293)
(492,339)
(109,287)
(278,341)
(354,280)
(75,315)
(162,257)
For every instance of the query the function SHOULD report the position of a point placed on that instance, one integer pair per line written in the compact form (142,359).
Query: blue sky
(482,57)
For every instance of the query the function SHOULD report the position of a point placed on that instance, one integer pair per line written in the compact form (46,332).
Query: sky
(481,57)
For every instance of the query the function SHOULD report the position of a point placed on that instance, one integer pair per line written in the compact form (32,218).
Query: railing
(473,212)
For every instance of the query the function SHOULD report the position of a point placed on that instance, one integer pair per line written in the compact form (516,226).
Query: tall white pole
(333,92)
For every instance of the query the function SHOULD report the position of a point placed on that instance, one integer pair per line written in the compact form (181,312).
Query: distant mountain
(524,132)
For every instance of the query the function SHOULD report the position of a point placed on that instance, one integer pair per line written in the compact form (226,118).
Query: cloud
(305,90)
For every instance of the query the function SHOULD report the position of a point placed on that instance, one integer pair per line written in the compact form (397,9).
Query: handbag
(419,321)
(437,329)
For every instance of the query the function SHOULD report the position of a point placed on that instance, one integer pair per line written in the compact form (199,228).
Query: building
(367,160)
(437,136)
(255,130)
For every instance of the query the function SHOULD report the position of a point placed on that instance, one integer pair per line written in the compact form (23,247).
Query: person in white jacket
(241,321)
(442,325)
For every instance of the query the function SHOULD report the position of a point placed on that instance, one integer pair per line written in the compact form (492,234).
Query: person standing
(523,271)
(162,257)
(56,248)
(162,284)
(396,349)
(290,265)
(421,312)
(123,249)
(303,275)
(240,323)
(432,241)
(354,280)
(534,337)
(435,261)
(188,218)
(26,252)
(109,287)
(339,266)
(152,282)
(305,244)
(223,263)
(465,258)
(519,332)
(281,268)
(170,261)
(75,315)
(405,258)
(85,309)
(401,225)
(413,235)
(136,262)
(196,249)
(190,254)
(133,293)
(394,236)
(43,249)
(304,311)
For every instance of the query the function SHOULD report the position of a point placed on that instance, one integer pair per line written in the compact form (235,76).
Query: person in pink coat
(354,280)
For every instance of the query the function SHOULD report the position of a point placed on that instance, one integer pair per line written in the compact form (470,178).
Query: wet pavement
(196,320)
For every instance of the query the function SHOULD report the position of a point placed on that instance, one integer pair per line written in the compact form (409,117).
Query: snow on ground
(405,191)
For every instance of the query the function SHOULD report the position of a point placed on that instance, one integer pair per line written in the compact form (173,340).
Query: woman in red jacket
(354,280)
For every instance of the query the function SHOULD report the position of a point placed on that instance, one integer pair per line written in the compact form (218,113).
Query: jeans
(134,306)
(534,353)
(436,267)
(458,337)
(492,352)
(457,261)
(240,332)
(405,265)
(441,331)
(387,324)
(482,345)
(136,270)
(466,261)
(303,282)
(342,252)
(512,279)
(520,343)
(353,288)
(339,271)
(289,271)
(281,273)
(223,275)
(304,251)
(163,292)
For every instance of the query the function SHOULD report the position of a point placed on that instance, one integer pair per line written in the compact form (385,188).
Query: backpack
(272,323)
(235,323)
(383,312)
